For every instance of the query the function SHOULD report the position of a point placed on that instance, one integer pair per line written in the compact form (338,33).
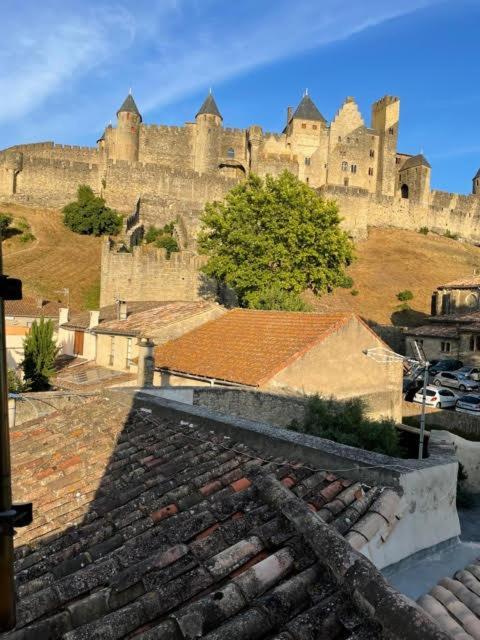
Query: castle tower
(414,179)
(476,184)
(208,130)
(385,119)
(254,137)
(128,129)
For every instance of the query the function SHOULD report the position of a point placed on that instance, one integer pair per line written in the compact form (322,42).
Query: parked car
(469,404)
(444,365)
(455,380)
(437,397)
(470,372)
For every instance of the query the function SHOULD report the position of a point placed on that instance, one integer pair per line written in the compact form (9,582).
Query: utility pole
(10,515)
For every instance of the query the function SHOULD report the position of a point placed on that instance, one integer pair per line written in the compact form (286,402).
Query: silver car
(455,380)
(470,372)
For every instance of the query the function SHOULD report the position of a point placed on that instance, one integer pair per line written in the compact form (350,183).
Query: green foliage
(346,422)
(89,215)
(27,236)
(5,222)
(274,232)
(22,224)
(354,292)
(276,298)
(424,231)
(347,283)
(15,384)
(92,296)
(40,352)
(163,238)
(405,295)
(449,234)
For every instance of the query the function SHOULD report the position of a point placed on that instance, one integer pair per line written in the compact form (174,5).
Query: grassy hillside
(55,259)
(392,260)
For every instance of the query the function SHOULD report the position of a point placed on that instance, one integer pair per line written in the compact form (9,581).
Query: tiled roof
(260,344)
(462,283)
(415,161)
(148,323)
(130,106)
(434,331)
(33,307)
(455,603)
(307,110)
(81,320)
(209,106)
(151,527)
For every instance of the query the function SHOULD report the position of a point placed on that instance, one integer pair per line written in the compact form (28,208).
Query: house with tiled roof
(285,352)
(110,335)
(153,520)
(458,296)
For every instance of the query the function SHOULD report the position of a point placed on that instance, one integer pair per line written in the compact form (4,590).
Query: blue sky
(66,66)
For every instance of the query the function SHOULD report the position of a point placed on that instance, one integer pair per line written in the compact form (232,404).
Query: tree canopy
(89,215)
(5,222)
(40,352)
(272,237)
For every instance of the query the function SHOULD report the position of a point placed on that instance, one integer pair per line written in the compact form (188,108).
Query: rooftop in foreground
(167,529)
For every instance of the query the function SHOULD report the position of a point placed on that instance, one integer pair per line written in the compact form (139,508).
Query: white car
(455,380)
(469,404)
(437,397)
(470,372)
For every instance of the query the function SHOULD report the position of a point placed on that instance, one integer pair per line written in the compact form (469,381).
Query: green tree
(274,232)
(277,298)
(89,215)
(40,352)
(15,384)
(5,222)
(163,238)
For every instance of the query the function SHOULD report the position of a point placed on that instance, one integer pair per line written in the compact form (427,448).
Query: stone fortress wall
(176,170)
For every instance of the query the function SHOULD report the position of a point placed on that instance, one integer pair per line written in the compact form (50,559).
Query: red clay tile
(238,515)
(69,462)
(165,512)
(332,490)
(255,560)
(211,487)
(312,507)
(288,481)
(45,473)
(207,532)
(241,484)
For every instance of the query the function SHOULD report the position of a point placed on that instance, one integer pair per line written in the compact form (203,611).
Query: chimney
(63,315)
(145,369)
(289,114)
(121,310)
(40,302)
(94,319)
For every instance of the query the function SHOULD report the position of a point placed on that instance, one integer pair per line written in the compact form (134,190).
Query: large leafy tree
(274,236)
(40,352)
(90,215)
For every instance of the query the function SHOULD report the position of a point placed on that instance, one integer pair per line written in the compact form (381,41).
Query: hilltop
(392,260)
(55,259)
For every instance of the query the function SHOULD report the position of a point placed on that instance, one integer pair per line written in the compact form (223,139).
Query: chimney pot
(121,310)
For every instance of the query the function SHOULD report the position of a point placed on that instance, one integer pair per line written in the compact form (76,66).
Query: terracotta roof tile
(260,343)
(32,307)
(462,283)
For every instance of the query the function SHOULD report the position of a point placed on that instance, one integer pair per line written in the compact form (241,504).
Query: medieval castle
(169,173)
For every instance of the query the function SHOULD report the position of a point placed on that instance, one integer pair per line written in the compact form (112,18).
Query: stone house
(285,352)
(14,337)
(110,335)
(459,296)
(22,313)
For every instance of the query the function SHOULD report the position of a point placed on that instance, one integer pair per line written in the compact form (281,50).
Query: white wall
(467,453)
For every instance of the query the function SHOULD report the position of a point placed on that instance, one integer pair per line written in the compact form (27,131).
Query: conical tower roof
(307,110)
(130,106)
(209,106)
(477,175)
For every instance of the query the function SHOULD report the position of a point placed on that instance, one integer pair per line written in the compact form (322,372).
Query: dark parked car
(445,365)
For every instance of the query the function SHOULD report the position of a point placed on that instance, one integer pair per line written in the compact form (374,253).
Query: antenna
(210,91)
(130,91)
(306,92)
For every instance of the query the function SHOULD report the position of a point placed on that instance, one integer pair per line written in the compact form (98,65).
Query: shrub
(5,222)
(276,298)
(40,352)
(22,224)
(424,231)
(449,234)
(354,292)
(346,422)
(89,215)
(405,295)
(163,238)
(347,283)
(27,236)
(15,383)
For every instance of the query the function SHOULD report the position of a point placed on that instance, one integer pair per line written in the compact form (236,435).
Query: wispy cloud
(64,62)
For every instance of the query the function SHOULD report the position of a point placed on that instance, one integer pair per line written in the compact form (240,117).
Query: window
(348,139)
(339,138)
(231,153)
(353,168)
(307,161)
(474,343)
(404,190)
(391,131)
(314,126)
(344,166)
(112,351)
(370,171)
(129,353)
(304,126)
(372,153)
(472,301)
(345,182)
(445,348)
(397,160)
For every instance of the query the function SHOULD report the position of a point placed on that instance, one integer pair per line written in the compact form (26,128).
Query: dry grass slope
(57,258)
(392,260)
